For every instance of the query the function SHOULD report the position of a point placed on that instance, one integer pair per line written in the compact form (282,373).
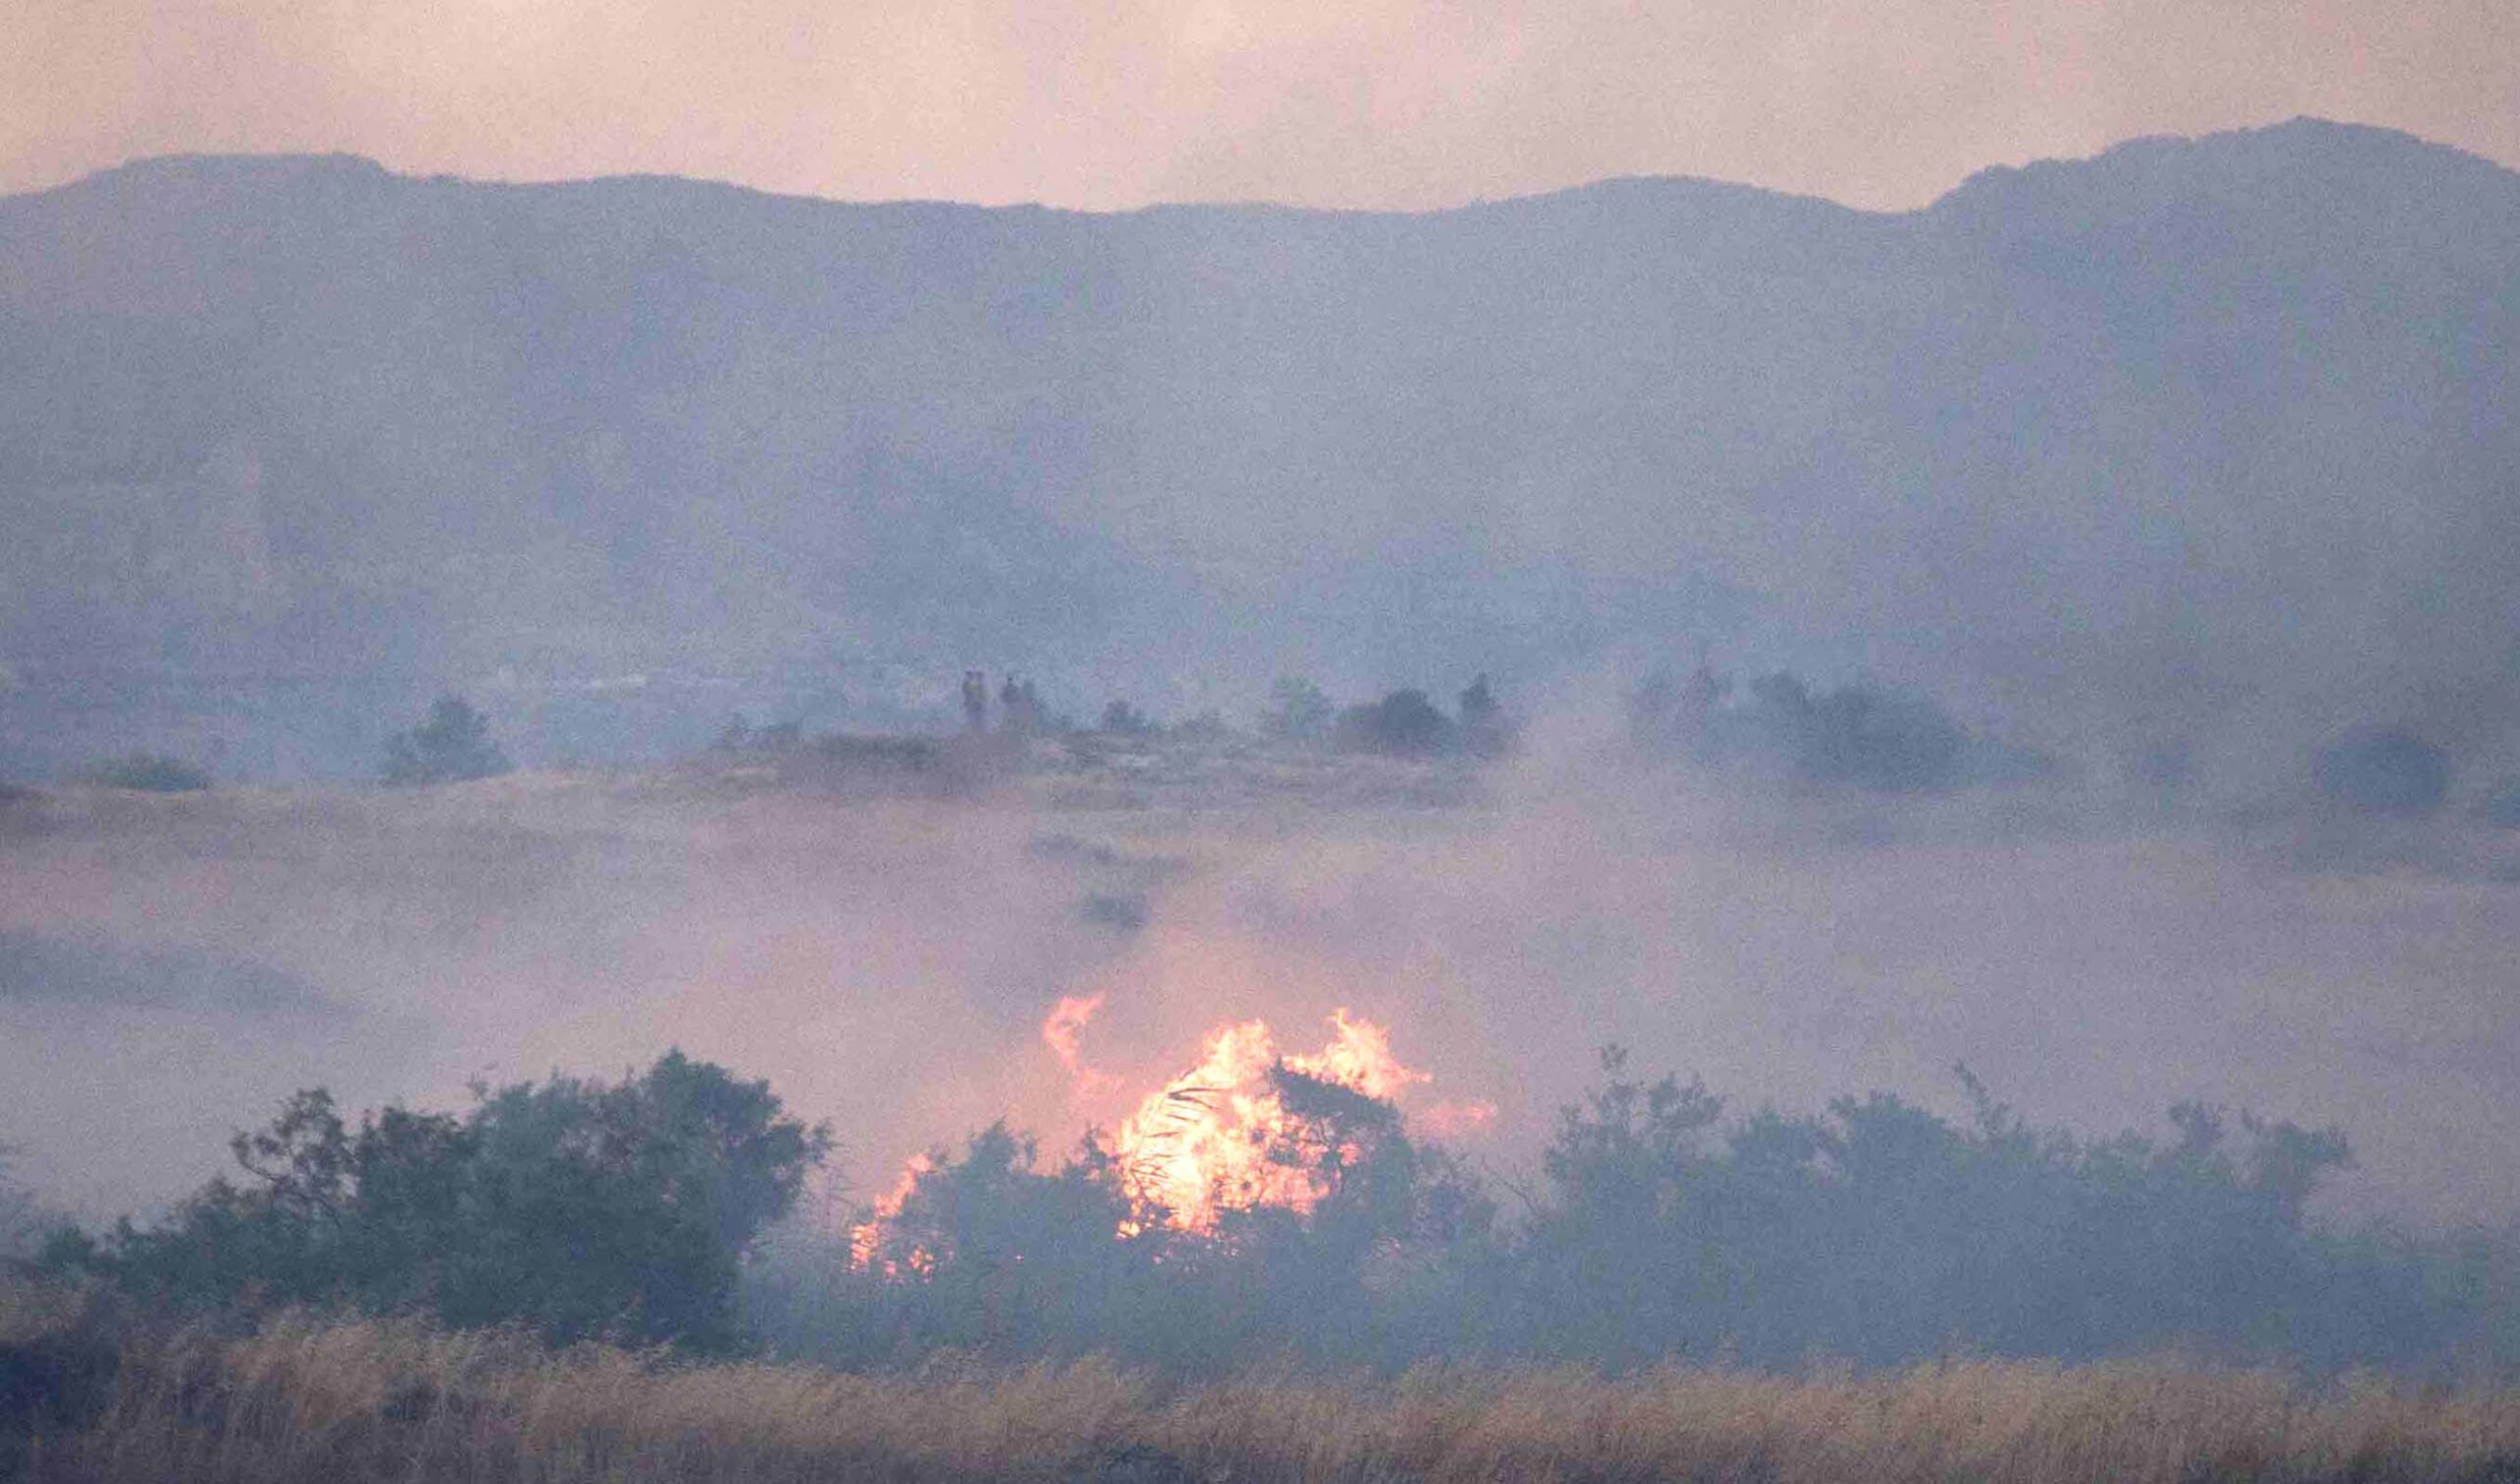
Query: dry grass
(306,1401)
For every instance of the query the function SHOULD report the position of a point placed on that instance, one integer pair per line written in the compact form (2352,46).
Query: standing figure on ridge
(1022,706)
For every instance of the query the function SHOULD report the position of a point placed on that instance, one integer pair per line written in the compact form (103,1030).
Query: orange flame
(1206,1143)
(1213,1139)
(866,1238)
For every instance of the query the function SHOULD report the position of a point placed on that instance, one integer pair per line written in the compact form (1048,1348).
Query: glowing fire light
(1060,1031)
(866,1238)
(1453,1120)
(1213,1139)
(1203,1146)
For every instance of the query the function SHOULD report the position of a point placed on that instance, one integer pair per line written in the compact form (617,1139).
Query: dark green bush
(1879,1232)
(450,746)
(1874,1231)
(1403,724)
(578,1209)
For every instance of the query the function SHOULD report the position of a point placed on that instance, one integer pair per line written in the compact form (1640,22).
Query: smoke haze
(2056,622)
(2196,452)
(890,964)
(1396,104)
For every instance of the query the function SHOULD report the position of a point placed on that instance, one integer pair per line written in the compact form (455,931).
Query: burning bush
(1248,1129)
(1266,1205)
(1256,1201)
(1263,1204)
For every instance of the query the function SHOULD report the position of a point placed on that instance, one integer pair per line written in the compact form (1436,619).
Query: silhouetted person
(1022,706)
(975,701)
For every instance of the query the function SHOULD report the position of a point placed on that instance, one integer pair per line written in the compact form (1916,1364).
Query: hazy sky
(1346,102)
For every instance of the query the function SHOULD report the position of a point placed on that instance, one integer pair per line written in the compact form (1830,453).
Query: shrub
(1880,1232)
(1122,720)
(576,1207)
(1403,724)
(453,745)
(1859,735)
(1875,1231)
(1297,710)
(991,1252)
(22,1219)
(2384,770)
(149,772)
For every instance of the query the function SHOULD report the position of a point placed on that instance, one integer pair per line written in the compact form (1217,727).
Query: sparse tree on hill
(20,1219)
(974,701)
(452,746)
(1122,720)
(1403,724)
(1483,727)
(1297,710)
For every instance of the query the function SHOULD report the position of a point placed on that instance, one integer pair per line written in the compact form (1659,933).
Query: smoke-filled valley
(889,961)
(913,953)
(1660,773)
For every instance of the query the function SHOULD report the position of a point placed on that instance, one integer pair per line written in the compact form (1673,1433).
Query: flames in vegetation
(1248,1127)
(866,1239)
(1220,1137)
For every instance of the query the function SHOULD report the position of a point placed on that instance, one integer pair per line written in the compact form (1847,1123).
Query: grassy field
(88,1399)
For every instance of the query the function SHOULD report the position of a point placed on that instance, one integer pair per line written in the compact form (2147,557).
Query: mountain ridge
(2133,146)
(327,419)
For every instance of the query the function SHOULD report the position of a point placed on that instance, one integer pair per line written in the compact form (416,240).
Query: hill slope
(2119,449)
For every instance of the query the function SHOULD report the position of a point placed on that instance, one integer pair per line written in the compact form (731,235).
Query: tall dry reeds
(306,1399)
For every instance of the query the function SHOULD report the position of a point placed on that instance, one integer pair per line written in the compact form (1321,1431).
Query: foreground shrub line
(309,1400)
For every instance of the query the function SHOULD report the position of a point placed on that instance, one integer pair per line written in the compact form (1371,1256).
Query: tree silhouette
(1297,710)
(576,1208)
(453,745)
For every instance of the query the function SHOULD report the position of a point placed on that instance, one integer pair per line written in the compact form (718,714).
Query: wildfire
(866,1238)
(1216,1138)
(1208,1143)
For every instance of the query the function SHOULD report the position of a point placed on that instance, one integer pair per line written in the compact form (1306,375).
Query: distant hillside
(2158,448)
